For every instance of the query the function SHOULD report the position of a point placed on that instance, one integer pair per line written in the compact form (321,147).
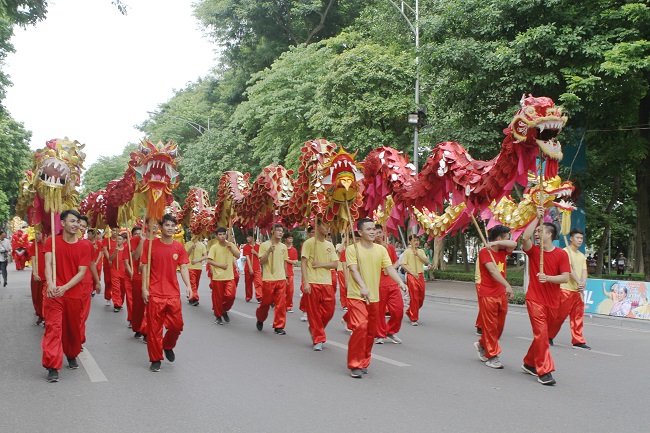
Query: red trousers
(195,278)
(253,280)
(493,310)
(128,289)
(539,353)
(235,270)
(118,290)
(390,298)
(321,303)
(85,309)
(343,289)
(303,301)
(273,292)
(572,305)
(37,297)
(223,296)
(362,320)
(334,279)
(108,284)
(137,313)
(163,312)
(62,330)
(289,292)
(416,292)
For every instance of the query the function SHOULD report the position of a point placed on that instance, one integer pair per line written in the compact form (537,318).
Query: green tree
(105,169)
(14,148)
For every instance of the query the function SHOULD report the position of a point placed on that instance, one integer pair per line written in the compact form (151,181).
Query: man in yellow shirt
(196,251)
(273,254)
(571,293)
(220,258)
(413,261)
(365,261)
(318,259)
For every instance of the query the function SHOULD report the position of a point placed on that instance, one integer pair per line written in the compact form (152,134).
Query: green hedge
(514,280)
(625,277)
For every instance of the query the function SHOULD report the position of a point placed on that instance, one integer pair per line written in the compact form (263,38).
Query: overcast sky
(89,73)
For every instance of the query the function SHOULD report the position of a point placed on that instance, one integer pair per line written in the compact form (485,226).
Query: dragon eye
(145,149)
(173,153)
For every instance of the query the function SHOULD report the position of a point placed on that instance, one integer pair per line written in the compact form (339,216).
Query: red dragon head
(539,121)
(156,175)
(344,176)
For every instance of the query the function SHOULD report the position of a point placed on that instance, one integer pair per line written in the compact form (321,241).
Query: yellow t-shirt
(323,252)
(578,265)
(415,264)
(372,260)
(274,269)
(223,256)
(199,251)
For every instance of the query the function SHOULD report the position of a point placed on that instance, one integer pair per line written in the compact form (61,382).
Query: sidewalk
(464,293)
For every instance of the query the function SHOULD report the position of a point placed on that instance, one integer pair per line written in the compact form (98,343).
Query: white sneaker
(108,302)
(494,362)
(379,341)
(303,318)
(394,339)
(414,323)
(481,352)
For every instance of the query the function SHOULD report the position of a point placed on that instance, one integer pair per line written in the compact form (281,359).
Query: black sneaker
(479,331)
(280,331)
(116,309)
(259,325)
(225,317)
(144,339)
(356,373)
(546,379)
(52,375)
(218,321)
(169,354)
(581,346)
(72,363)
(196,303)
(39,321)
(550,342)
(137,335)
(529,369)
(155,366)
(259,300)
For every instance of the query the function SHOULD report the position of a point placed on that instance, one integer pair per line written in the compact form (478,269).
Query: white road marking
(377,357)
(339,345)
(92,369)
(562,345)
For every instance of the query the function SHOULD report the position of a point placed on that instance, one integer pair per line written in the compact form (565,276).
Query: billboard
(618,298)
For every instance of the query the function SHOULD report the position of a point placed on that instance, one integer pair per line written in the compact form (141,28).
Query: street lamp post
(404,8)
(198,127)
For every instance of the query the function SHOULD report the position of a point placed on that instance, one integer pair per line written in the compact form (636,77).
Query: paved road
(232,378)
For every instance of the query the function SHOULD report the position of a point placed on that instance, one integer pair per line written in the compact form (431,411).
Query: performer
(120,270)
(341,270)
(62,304)
(90,282)
(220,258)
(333,274)
(302,306)
(273,254)
(5,250)
(252,269)
(571,295)
(318,259)
(37,257)
(195,251)
(543,295)
(19,245)
(291,262)
(413,262)
(390,297)
(161,293)
(108,246)
(363,294)
(493,292)
(137,313)
(99,246)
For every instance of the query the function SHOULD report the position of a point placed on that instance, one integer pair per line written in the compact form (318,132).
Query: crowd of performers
(140,270)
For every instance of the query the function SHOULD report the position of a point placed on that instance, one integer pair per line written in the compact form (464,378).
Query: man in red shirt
(493,292)
(62,304)
(108,246)
(293,261)
(543,295)
(90,281)
(137,313)
(390,297)
(161,292)
(252,269)
(37,257)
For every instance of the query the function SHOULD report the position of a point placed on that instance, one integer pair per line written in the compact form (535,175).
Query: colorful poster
(618,298)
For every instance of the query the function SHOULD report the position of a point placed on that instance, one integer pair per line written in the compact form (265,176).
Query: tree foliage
(105,169)
(14,148)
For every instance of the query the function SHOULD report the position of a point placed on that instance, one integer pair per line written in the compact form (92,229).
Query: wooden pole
(53,230)
(480,233)
(354,241)
(541,220)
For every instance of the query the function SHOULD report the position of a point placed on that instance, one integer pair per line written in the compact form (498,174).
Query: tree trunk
(616,191)
(642,191)
(463,246)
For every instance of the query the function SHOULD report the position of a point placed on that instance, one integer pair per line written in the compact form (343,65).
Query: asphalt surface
(232,378)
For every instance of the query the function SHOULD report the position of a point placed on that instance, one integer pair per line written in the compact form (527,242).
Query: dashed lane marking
(92,369)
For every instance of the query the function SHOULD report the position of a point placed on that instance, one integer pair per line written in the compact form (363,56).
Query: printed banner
(618,298)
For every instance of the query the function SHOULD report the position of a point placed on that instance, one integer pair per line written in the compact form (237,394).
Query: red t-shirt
(117,267)
(256,261)
(41,258)
(68,259)
(385,280)
(293,255)
(88,276)
(165,258)
(109,247)
(556,262)
(486,284)
(342,256)
(135,241)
